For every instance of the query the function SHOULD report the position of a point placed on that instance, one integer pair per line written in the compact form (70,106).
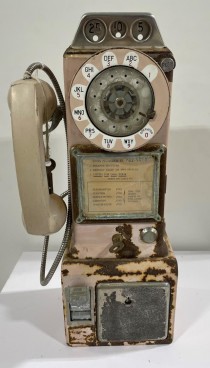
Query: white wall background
(41,31)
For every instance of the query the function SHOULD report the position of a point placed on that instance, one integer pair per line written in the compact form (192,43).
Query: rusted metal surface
(118,241)
(90,272)
(160,249)
(96,240)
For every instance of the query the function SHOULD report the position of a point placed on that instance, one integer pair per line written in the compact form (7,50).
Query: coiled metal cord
(44,280)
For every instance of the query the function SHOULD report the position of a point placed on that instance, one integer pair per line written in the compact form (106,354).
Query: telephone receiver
(32,103)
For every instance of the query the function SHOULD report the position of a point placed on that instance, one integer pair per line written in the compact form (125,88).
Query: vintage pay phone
(119,273)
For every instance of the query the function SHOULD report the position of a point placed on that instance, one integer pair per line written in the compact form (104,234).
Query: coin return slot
(80,303)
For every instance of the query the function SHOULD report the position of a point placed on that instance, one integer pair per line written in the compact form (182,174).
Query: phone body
(119,256)
(118,272)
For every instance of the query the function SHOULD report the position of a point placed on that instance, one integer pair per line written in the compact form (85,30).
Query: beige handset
(32,103)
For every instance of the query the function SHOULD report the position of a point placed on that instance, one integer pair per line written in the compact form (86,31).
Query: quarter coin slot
(95,30)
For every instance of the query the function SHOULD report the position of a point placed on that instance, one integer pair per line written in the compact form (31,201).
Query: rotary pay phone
(119,273)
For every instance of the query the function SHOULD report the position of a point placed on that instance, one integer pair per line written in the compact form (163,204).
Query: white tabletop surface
(32,330)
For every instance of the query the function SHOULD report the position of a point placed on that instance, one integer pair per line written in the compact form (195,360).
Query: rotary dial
(120,101)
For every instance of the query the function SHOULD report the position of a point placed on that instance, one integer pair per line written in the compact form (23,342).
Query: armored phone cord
(44,279)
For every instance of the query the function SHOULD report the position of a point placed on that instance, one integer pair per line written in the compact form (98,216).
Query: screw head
(167,64)
(148,235)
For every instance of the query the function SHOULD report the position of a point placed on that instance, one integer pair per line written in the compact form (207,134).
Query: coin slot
(141,30)
(118,29)
(95,30)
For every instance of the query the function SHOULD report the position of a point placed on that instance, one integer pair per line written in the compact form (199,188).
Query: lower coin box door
(132,311)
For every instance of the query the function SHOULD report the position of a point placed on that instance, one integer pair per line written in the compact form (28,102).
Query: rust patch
(144,279)
(122,246)
(82,336)
(73,252)
(65,272)
(155,271)
(110,268)
(161,249)
(172,262)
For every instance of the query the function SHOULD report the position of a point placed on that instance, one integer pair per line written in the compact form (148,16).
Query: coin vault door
(132,311)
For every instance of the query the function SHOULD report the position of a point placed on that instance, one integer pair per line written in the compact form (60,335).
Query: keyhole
(128,301)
